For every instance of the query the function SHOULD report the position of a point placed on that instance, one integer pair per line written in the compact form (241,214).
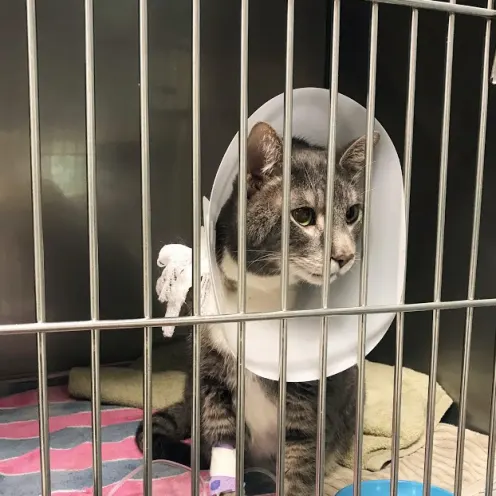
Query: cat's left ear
(353,158)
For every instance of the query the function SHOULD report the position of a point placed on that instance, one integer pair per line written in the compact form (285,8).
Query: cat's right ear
(264,149)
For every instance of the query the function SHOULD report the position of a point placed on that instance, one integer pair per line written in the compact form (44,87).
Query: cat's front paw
(138,438)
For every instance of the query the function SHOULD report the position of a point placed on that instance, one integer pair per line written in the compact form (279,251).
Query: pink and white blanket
(71,450)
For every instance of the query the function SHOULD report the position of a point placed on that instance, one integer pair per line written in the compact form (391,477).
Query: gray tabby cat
(306,248)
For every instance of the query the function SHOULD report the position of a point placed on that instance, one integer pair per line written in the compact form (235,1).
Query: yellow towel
(377,428)
(411,467)
(124,386)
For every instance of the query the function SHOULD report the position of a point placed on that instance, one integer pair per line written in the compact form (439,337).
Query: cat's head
(307,204)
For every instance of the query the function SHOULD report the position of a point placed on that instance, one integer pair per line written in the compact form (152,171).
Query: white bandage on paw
(177,278)
(223,470)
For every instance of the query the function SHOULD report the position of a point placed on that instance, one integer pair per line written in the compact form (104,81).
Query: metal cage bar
(443,7)
(443,176)
(93,245)
(481,149)
(242,199)
(398,366)
(326,271)
(493,70)
(283,341)
(41,328)
(72,326)
(195,413)
(146,246)
(357,466)
(39,263)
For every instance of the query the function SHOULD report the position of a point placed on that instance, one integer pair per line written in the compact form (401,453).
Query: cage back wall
(106,122)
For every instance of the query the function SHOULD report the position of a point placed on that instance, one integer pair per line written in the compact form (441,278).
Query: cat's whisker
(260,260)
(368,190)
(261,251)
(265,256)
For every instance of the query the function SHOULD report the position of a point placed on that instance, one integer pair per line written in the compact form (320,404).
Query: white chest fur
(263,294)
(261,419)
(260,410)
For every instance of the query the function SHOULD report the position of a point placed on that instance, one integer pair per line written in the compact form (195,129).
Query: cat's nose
(343,258)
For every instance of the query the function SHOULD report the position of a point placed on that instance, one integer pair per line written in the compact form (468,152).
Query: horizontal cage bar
(84,325)
(442,7)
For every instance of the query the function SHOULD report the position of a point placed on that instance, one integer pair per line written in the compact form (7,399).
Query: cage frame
(41,327)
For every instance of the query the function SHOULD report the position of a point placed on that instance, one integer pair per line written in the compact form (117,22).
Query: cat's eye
(352,214)
(305,216)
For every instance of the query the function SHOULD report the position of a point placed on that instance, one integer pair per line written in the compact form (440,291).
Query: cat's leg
(300,462)
(219,430)
(218,418)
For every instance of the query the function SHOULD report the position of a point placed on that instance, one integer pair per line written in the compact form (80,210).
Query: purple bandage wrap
(220,484)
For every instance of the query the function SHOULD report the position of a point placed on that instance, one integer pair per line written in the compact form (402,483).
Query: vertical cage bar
(481,150)
(438,279)
(283,341)
(39,263)
(195,83)
(242,196)
(357,468)
(326,272)
(491,443)
(93,246)
(146,242)
(493,70)
(398,366)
